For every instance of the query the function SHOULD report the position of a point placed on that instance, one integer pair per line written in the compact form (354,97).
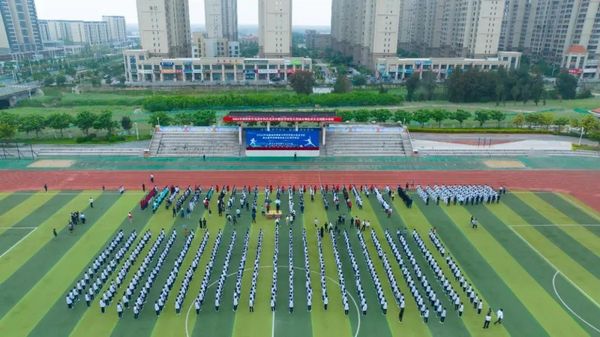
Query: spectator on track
(152,178)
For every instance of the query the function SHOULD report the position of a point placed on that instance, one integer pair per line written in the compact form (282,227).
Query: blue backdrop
(282,139)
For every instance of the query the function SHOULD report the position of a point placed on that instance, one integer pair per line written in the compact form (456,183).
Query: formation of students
(384,204)
(166,289)
(80,286)
(135,281)
(105,264)
(322,276)
(357,198)
(341,281)
(273,299)
(398,296)
(461,194)
(255,270)
(159,304)
(189,274)
(425,284)
(291,271)
(109,269)
(359,287)
(207,272)
(439,274)
(307,272)
(223,276)
(466,286)
(373,273)
(240,273)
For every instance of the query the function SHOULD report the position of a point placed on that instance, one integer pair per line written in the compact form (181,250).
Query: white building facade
(117,28)
(275,28)
(142,69)
(396,69)
(365,29)
(164,27)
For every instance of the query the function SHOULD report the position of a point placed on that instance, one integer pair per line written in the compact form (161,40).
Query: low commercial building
(202,46)
(399,69)
(141,69)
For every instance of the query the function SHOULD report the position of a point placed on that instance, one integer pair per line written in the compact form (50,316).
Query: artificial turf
(511,261)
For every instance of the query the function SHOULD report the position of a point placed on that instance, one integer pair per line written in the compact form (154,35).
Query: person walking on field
(91,202)
(488,319)
(130,217)
(500,315)
(54,232)
(46,187)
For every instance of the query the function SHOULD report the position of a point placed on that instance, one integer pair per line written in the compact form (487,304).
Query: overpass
(10,95)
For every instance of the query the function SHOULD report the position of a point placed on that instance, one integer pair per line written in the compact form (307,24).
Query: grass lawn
(535,255)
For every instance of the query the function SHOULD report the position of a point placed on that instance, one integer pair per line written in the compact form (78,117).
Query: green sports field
(536,255)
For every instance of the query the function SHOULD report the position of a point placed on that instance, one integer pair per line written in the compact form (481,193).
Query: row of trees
(499,86)
(198,118)
(422,116)
(590,124)
(11,123)
(171,103)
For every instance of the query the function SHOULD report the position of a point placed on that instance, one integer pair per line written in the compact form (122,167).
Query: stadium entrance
(278,141)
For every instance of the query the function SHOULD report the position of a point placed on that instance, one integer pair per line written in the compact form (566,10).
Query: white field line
(566,306)
(29,228)
(16,244)
(556,268)
(558,225)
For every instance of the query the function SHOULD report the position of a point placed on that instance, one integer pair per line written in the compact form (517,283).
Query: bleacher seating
(368,140)
(213,142)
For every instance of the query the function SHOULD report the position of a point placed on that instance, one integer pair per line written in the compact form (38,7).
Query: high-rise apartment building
(365,29)
(464,28)
(549,28)
(19,30)
(165,27)
(117,29)
(275,28)
(76,31)
(221,19)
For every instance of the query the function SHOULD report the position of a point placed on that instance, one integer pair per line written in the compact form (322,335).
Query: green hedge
(480,130)
(170,103)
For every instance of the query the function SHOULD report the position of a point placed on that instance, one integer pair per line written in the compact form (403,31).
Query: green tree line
(86,121)
(435,118)
(473,85)
(170,103)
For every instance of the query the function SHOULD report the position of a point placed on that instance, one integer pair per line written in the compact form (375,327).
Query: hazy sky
(305,12)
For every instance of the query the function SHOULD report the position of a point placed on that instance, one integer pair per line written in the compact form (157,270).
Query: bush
(171,103)
(479,130)
(86,139)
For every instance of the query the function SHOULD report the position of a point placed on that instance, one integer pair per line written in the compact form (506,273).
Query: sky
(304,12)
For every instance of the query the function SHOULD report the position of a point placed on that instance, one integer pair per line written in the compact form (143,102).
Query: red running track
(585,185)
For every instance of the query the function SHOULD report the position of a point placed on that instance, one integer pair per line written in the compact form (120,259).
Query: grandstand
(323,140)
(195,141)
(365,140)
